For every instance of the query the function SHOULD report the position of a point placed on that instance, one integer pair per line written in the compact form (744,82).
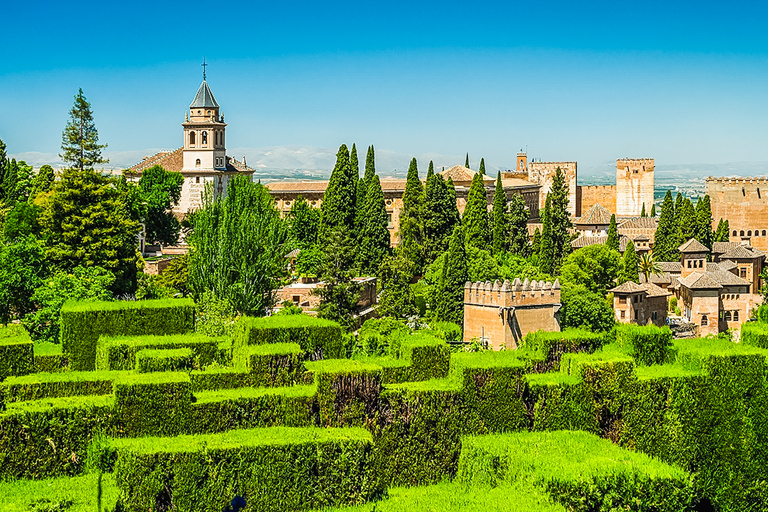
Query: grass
(71,402)
(25,495)
(271,436)
(455,497)
(204,397)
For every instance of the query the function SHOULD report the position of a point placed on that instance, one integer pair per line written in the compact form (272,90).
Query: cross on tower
(204,65)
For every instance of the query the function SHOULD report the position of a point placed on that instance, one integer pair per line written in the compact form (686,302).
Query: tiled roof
(693,245)
(204,97)
(639,223)
(459,173)
(655,291)
(727,265)
(169,160)
(595,215)
(700,281)
(586,241)
(673,267)
(723,247)
(628,287)
(727,278)
(662,278)
(739,252)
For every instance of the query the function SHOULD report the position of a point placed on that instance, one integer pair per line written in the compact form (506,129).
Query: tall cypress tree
(455,216)
(686,222)
(374,236)
(439,218)
(547,245)
(450,305)
(3,165)
(411,215)
(559,220)
(653,211)
(642,212)
(517,226)
(536,242)
(475,219)
(338,206)
(704,221)
(466,162)
(723,232)
(500,238)
(482,166)
(664,248)
(362,188)
(629,270)
(613,234)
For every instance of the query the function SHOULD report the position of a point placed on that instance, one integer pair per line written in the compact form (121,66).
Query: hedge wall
(545,348)
(581,471)
(347,391)
(58,385)
(425,357)
(220,379)
(275,364)
(648,344)
(49,358)
(318,338)
(755,333)
(165,360)
(16,355)
(83,323)
(153,404)
(119,353)
(274,469)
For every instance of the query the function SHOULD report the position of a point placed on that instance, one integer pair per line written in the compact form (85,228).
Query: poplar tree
(517,226)
(613,234)
(374,235)
(482,166)
(338,206)
(80,140)
(500,237)
(411,223)
(547,246)
(704,222)
(629,270)
(450,299)
(475,219)
(665,239)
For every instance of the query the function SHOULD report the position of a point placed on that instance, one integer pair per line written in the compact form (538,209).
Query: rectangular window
(622,313)
(296,299)
(743,273)
(389,220)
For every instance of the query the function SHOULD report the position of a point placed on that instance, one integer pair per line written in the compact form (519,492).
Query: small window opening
(704,320)
(197,163)
(197,178)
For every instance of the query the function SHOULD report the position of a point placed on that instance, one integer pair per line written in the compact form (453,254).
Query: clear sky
(684,82)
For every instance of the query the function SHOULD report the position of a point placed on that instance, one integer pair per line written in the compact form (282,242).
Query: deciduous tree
(160,191)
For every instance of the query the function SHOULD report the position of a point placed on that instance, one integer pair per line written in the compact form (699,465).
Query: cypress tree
(547,246)
(450,305)
(536,242)
(665,239)
(482,166)
(455,216)
(653,211)
(411,219)
(475,219)
(499,217)
(613,234)
(704,221)
(678,210)
(642,212)
(338,207)
(560,222)
(466,162)
(374,236)
(517,226)
(723,232)
(439,218)
(686,222)
(362,188)
(629,270)
(354,174)
(3,165)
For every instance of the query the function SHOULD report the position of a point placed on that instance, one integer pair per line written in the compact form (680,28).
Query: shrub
(275,364)
(673,304)
(546,348)
(164,360)
(648,344)
(215,317)
(55,385)
(755,333)
(119,352)
(83,323)
(318,338)
(49,358)
(153,403)
(16,353)
(447,331)
(378,334)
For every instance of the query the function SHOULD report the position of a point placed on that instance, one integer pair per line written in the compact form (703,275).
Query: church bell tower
(204,133)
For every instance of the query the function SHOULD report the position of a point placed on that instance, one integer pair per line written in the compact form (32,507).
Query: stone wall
(589,196)
(499,315)
(544,172)
(740,201)
(634,186)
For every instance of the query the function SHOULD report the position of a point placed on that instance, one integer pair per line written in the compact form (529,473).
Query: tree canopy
(80,146)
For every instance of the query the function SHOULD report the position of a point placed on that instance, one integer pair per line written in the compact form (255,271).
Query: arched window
(749,232)
(727,316)
(741,233)
(734,232)
(735,316)
(205,138)
(704,321)
(197,163)
(191,138)
(757,232)
(763,232)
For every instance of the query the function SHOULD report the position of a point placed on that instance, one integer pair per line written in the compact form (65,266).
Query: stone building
(740,201)
(286,192)
(202,160)
(500,314)
(544,172)
(303,293)
(593,223)
(640,304)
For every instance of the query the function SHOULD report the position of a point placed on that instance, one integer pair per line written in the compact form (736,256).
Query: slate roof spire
(204,97)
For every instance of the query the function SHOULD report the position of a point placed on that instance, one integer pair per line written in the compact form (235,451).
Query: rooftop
(204,97)
(596,215)
(693,246)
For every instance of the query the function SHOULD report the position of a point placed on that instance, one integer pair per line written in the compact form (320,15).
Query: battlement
(565,164)
(737,179)
(635,164)
(514,294)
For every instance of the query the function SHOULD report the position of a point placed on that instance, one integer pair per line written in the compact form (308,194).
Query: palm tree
(647,266)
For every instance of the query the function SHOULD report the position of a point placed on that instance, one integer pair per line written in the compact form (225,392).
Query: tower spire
(204,65)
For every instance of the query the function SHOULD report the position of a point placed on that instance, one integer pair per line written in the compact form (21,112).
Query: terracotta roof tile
(628,287)
(596,215)
(673,267)
(639,223)
(655,291)
(169,160)
(693,245)
(739,252)
(700,281)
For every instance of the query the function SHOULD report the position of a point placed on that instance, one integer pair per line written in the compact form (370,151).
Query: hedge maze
(140,413)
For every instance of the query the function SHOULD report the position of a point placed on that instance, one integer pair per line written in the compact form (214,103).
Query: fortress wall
(588,196)
(634,186)
(743,202)
(544,172)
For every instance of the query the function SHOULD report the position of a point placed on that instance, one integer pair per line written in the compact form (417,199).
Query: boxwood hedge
(318,338)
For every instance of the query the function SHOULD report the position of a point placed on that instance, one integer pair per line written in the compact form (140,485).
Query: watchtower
(634,186)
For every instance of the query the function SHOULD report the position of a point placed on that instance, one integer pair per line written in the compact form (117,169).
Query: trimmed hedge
(49,358)
(648,344)
(579,470)
(544,349)
(16,352)
(70,494)
(755,333)
(119,353)
(274,469)
(557,401)
(153,403)
(347,391)
(50,437)
(276,364)
(58,385)
(82,323)
(318,338)
(426,357)
(164,360)
(212,379)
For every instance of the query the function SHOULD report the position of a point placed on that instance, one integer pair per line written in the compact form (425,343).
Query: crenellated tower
(634,186)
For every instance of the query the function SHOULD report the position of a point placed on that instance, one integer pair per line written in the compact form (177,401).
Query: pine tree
(629,269)
(653,211)
(450,302)
(613,234)
(547,245)
(642,212)
(482,166)
(665,240)
(466,162)
(560,222)
(374,236)
(517,226)
(411,216)
(704,232)
(500,238)
(686,222)
(80,141)
(475,219)
(338,206)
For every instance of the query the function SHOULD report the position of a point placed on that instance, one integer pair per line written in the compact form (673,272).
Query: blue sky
(683,82)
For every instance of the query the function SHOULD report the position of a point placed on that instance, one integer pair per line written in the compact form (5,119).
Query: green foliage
(151,287)
(723,231)
(613,234)
(339,293)
(686,222)
(317,337)
(517,227)
(76,494)
(546,243)
(176,275)
(56,385)
(648,344)
(475,219)
(160,190)
(80,140)
(377,335)
(653,211)
(549,346)
(16,357)
(15,180)
(374,235)
(82,284)
(86,222)
(756,333)
(629,265)
(22,270)
(585,308)
(120,352)
(449,305)
(556,237)
(440,217)
(647,266)
(338,206)
(466,162)
(165,360)
(153,403)
(447,331)
(43,180)
(309,261)
(21,221)
(499,232)
(412,216)
(82,323)
(642,211)
(236,247)
(397,299)
(665,240)
(704,219)
(595,267)
(215,317)
(304,222)
(275,364)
